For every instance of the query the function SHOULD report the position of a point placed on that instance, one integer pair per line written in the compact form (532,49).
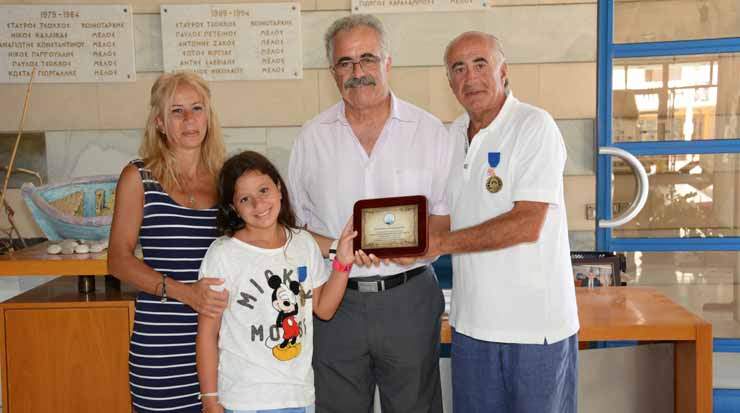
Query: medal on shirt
(494,182)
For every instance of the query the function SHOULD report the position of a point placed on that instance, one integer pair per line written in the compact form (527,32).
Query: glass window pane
(638,21)
(671,268)
(690,196)
(676,98)
(704,282)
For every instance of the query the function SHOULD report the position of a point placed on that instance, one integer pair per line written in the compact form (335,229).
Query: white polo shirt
(525,293)
(329,169)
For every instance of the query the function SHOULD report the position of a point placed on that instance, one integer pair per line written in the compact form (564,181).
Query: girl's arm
(206,357)
(123,264)
(326,298)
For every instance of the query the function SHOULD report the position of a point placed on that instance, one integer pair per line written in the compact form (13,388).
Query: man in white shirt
(514,315)
(372,145)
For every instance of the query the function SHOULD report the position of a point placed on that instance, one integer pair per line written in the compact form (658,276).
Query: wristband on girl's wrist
(338,266)
(202,395)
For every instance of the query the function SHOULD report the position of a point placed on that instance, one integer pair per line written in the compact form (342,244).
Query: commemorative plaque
(239,41)
(418,6)
(392,227)
(66,43)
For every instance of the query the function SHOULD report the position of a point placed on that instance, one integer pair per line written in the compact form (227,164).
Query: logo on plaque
(389,219)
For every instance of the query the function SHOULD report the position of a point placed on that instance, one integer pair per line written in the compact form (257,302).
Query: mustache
(366,80)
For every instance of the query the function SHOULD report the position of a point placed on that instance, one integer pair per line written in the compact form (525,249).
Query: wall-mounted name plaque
(66,43)
(412,6)
(233,41)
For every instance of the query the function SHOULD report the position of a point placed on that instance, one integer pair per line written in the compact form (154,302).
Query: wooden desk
(638,313)
(65,351)
(643,314)
(85,335)
(35,261)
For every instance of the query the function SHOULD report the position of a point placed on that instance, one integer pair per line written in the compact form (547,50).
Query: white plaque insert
(233,41)
(414,6)
(66,43)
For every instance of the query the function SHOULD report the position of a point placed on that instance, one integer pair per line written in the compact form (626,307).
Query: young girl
(257,355)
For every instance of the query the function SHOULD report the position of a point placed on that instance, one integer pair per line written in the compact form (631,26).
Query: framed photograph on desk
(595,269)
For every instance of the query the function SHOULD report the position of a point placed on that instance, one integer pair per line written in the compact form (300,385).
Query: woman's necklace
(188,192)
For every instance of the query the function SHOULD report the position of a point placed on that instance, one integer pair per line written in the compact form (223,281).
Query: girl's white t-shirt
(266,337)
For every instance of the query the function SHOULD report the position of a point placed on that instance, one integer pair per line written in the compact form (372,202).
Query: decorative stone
(97,247)
(54,249)
(82,249)
(69,244)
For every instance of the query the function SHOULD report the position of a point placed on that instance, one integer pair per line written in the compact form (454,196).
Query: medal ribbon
(493,159)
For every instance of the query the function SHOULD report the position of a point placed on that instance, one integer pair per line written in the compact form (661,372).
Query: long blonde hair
(154,150)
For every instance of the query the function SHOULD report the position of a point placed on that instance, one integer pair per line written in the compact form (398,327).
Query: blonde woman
(166,202)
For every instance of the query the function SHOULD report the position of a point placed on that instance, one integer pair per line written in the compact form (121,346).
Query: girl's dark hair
(227,219)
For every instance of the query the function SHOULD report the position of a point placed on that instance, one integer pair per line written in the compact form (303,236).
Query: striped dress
(174,240)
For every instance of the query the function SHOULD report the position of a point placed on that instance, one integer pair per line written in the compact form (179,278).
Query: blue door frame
(606,52)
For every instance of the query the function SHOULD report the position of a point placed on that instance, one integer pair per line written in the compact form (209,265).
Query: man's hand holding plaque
(392,227)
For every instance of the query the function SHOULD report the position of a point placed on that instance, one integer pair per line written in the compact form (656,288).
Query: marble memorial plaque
(233,41)
(66,43)
(412,6)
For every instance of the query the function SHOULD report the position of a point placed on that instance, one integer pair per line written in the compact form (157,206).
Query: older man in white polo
(514,315)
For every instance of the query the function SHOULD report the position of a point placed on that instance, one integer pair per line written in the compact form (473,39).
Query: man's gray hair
(497,48)
(349,23)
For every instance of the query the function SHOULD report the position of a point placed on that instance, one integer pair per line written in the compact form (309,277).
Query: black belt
(385,283)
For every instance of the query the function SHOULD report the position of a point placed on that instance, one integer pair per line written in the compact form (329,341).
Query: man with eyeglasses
(514,315)
(371,145)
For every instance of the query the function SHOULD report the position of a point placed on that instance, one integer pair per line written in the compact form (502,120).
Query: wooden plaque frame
(422,227)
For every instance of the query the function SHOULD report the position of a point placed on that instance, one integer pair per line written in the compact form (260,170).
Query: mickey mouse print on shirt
(287,307)
(285,302)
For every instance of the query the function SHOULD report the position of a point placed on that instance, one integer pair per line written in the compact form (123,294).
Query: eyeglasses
(367,64)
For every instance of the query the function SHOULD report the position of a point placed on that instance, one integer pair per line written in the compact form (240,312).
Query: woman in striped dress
(165,202)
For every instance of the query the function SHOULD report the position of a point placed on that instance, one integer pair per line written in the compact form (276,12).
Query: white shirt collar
(397,112)
(464,121)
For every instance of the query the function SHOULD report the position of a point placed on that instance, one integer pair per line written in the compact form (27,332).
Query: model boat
(78,209)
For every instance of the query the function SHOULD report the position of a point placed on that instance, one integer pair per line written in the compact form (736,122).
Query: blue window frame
(607,51)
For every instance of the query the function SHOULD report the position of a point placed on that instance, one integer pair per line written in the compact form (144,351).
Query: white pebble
(97,247)
(68,251)
(69,244)
(54,249)
(82,249)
